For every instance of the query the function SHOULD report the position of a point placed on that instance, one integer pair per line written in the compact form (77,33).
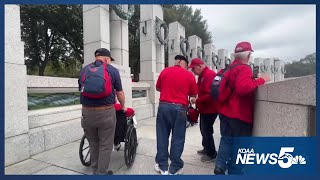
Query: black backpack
(220,82)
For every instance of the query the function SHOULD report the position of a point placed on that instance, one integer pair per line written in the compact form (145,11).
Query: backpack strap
(230,67)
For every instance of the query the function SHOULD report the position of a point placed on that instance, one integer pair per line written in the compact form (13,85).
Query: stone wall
(286,108)
(16,119)
(142,106)
(53,127)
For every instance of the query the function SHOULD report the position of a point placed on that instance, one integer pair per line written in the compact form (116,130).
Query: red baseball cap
(195,62)
(242,47)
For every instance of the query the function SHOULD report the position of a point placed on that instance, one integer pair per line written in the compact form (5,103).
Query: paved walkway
(65,159)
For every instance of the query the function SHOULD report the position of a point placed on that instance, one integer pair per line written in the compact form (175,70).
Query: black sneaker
(206,158)
(203,152)
(110,172)
(219,171)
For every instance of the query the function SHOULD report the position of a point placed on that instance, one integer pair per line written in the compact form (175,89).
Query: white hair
(242,55)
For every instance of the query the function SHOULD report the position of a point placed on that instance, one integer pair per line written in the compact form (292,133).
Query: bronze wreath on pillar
(283,70)
(161,24)
(201,53)
(273,69)
(120,12)
(263,68)
(182,42)
(215,62)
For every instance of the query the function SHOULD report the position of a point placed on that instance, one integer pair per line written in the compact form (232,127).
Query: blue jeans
(170,117)
(229,129)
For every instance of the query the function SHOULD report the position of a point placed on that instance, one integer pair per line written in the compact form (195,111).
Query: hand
(124,109)
(193,100)
(266,77)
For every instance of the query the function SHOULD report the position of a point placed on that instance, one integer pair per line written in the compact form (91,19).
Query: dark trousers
(99,127)
(121,127)
(206,129)
(170,117)
(230,128)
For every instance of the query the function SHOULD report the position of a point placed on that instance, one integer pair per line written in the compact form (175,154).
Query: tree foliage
(192,20)
(134,43)
(53,35)
(303,67)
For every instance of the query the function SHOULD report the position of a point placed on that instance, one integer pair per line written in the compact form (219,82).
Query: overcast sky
(284,31)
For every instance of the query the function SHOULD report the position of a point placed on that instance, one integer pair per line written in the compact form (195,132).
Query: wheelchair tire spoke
(85,148)
(86,156)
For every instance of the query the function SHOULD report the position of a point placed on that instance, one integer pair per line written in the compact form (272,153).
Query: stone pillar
(259,62)
(195,43)
(96,30)
(222,54)
(210,52)
(16,103)
(160,52)
(176,31)
(96,34)
(269,63)
(119,36)
(277,75)
(150,49)
(282,70)
(251,63)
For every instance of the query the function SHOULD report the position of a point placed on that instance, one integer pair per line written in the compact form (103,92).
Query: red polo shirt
(176,84)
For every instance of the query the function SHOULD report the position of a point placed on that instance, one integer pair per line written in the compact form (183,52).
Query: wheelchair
(125,132)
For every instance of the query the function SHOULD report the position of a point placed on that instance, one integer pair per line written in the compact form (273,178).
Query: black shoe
(219,171)
(110,172)
(215,155)
(202,152)
(206,158)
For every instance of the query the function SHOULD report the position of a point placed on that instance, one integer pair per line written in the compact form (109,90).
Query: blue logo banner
(273,155)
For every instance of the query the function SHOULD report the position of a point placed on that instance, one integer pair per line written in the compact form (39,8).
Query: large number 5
(284,154)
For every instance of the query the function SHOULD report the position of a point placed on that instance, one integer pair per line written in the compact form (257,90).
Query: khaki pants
(99,127)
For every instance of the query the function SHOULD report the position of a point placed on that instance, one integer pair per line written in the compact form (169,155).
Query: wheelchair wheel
(84,152)
(130,147)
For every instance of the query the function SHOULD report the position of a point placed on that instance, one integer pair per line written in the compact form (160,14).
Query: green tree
(303,67)
(52,35)
(191,20)
(134,43)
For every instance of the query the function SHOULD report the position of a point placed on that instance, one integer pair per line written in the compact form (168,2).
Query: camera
(255,71)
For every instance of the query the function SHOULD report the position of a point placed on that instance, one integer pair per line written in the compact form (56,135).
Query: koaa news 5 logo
(284,159)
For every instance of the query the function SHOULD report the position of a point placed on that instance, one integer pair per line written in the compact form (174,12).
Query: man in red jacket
(207,108)
(236,113)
